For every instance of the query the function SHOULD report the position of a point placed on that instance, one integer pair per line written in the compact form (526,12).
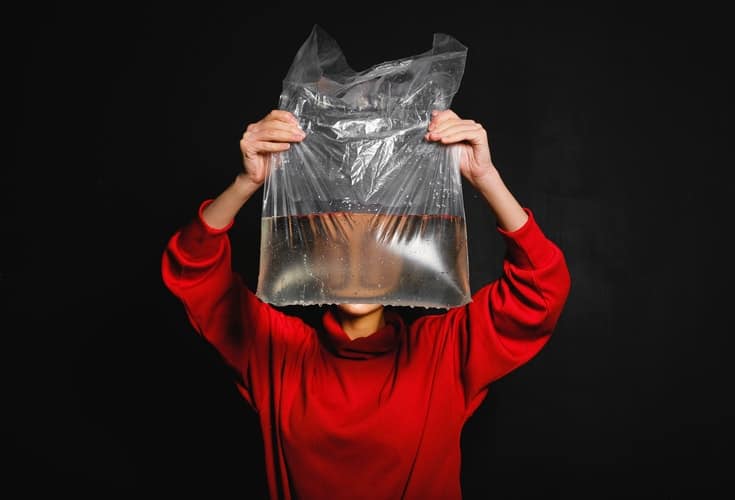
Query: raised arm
(196,264)
(510,319)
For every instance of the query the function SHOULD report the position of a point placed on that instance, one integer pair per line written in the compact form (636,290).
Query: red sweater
(378,417)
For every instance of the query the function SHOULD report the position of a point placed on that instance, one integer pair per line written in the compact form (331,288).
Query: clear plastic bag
(365,209)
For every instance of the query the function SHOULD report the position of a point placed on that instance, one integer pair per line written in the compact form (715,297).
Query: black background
(608,122)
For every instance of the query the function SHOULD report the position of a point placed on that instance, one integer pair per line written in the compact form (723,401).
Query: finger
(443,127)
(267,147)
(474,135)
(266,126)
(439,116)
(273,133)
(281,115)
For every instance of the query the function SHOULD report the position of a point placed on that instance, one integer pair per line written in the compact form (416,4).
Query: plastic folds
(365,209)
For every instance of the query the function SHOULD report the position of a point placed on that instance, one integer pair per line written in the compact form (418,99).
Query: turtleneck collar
(376,344)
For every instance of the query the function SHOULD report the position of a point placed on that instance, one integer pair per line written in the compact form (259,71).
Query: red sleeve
(196,268)
(511,319)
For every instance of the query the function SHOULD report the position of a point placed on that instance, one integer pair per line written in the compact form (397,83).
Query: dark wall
(608,122)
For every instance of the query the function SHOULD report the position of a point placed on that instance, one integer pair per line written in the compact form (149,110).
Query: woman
(367,406)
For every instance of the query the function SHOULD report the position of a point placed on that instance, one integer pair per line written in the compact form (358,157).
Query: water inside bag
(349,257)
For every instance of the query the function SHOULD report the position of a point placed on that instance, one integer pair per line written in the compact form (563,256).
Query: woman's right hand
(273,133)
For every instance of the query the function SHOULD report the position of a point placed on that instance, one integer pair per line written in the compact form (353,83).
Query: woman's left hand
(475,160)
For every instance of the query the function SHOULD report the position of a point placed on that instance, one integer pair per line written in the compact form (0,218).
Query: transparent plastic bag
(365,209)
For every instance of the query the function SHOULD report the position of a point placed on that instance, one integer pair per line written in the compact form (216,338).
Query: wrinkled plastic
(365,209)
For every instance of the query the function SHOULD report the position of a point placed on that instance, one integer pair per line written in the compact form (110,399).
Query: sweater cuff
(527,247)
(200,240)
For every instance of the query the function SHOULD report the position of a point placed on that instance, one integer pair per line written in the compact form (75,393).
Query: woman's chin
(359,309)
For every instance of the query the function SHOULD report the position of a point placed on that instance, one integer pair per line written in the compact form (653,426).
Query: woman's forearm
(508,212)
(225,207)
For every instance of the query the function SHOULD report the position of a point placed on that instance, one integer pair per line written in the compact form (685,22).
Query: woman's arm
(510,319)
(196,264)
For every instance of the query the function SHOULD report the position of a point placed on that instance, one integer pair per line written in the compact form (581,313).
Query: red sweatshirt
(378,417)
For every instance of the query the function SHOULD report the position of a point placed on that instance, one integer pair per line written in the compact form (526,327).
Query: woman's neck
(361,325)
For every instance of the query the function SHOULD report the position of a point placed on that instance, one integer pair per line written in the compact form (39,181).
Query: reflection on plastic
(364,209)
